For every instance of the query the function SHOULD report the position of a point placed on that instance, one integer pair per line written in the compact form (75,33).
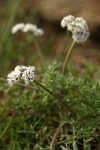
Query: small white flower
(80,38)
(21,72)
(25,78)
(38,32)
(66,20)
(27,28)
(80,31)
(78,28)
(13,77)
(22,68)
(17,69)
(17,27)
(30,27)
(29,74)
(71,26)
(80,20)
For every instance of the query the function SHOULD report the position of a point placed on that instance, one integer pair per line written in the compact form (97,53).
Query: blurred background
(46,14)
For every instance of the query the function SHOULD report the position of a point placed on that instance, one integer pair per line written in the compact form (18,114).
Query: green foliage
(37,114)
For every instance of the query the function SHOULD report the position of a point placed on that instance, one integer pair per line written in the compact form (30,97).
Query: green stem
(19,84)
(30,87)
(46,89)
(67,57)
(38,50)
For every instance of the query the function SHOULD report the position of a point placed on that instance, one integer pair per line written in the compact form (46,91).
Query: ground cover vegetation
(54,105)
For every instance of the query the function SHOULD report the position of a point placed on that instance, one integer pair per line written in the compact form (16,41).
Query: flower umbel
(78,28)
(17,27)
(21,72)
(13,77)
(66,20)
(38,32)
(29,74)
(27,28)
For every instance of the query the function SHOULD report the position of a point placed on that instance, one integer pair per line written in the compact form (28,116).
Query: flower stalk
(18,84)
(31,87)
(39,51)
(67,57)
(33,29)
(57,96)
(49,91)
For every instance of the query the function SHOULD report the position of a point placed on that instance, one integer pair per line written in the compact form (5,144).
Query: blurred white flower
(80,34)
(17,27)
(27,28)
(80,20)
(38,32)
(66,20)
(21,72)
(78,28)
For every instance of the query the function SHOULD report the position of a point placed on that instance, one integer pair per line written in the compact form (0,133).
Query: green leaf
(75,146)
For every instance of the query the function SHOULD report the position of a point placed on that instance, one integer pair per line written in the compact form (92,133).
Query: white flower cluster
(27,28)
(21,72)
(77,26)
(66,20)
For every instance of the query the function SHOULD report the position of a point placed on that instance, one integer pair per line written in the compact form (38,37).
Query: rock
(55,10)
